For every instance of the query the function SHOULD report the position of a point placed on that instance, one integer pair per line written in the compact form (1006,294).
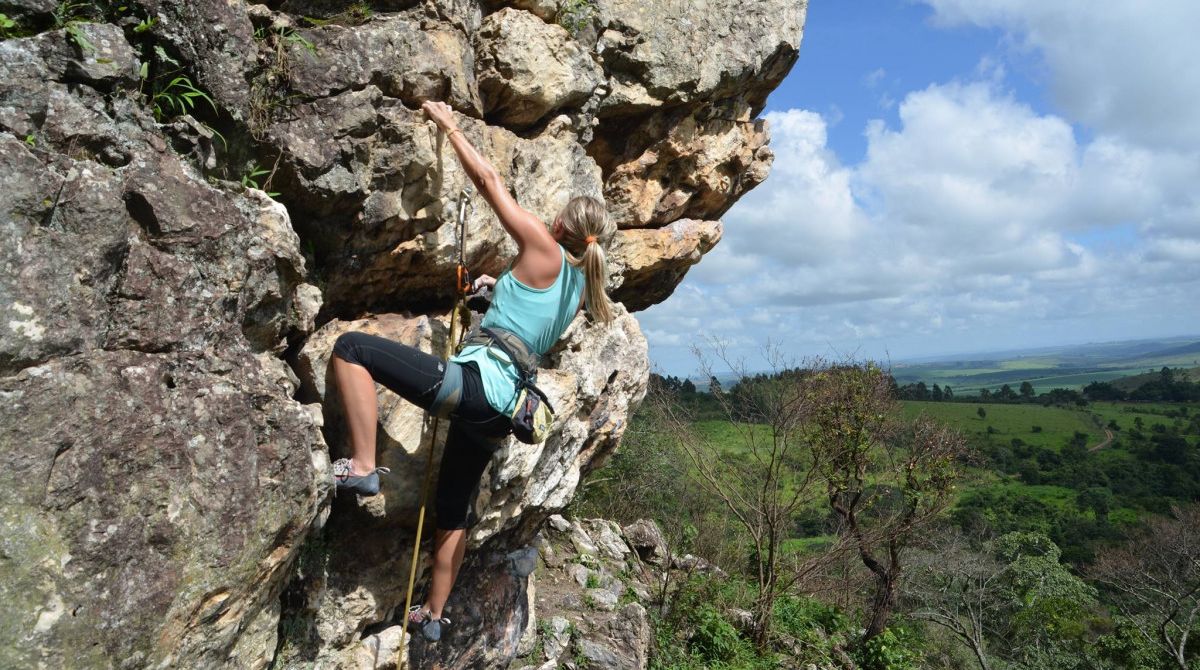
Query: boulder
(529,68)
(646,538)
(160,478)
(404,55)
(692,165)
(664,54)
(650,262)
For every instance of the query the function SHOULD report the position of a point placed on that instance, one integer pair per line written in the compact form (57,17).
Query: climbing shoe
(363,485)
(431,629)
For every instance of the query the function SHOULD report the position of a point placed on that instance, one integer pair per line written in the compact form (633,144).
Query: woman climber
(557,271)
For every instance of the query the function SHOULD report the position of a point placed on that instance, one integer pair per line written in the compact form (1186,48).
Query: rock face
(168,325)
(158,478)
(592,592)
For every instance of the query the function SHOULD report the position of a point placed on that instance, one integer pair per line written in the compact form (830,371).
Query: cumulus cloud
(966,222)
(1125,68)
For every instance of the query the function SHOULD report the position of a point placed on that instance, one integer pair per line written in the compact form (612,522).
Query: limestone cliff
(167,426)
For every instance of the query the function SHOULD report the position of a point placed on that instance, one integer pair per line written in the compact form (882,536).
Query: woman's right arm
(525,228)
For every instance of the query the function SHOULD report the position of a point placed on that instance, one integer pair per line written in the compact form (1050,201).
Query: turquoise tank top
(537,315)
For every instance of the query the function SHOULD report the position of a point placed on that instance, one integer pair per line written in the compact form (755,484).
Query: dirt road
(1108,438)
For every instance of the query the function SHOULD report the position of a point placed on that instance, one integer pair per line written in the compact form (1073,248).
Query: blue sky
(963,175)
(857,57)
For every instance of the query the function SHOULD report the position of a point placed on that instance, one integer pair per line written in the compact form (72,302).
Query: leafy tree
(1062,397)
(1027,392)
(714,384)
(1097,499)
(1103,391)
(1013,597)
(1047,605)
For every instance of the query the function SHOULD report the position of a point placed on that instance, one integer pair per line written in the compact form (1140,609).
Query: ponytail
(588,232)
(595,274)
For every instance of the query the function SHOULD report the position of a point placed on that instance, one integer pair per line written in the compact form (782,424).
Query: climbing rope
(461,314)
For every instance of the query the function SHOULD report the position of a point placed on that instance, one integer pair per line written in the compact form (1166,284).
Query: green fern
(179,96)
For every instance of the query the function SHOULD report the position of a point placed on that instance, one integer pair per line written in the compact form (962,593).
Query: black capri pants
(476,429)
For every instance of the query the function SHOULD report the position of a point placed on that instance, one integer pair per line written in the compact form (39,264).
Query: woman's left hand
(482,281)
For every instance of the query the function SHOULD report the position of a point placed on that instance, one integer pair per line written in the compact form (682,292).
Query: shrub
(715,638)
(893,649)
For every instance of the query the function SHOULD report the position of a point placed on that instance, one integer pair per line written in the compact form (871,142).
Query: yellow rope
(452,341)
(451,344)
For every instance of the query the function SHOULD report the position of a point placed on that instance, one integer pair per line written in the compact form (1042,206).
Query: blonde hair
(587,234)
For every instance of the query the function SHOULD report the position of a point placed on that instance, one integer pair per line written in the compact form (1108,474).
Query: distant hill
(1067,366)
(1072,366)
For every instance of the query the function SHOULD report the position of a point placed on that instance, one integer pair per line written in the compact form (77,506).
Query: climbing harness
(444,402)
(532,415)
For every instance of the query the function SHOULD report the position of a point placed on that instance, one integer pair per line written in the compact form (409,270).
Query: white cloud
(963,222)
(1126,67)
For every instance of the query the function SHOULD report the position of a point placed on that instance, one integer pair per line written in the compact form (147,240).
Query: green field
(1058,425)
(1007,420)
(730,437)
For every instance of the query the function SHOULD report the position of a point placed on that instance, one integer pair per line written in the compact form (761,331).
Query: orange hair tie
(589,239)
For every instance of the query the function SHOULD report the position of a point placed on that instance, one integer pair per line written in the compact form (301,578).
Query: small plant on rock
(574,15)
(271,89)
(172,93)
(285,35)
(251,179)
(71,16)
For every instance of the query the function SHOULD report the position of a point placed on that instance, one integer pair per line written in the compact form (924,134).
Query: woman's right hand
(441,114)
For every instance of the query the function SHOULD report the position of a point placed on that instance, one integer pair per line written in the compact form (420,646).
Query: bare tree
(885,480)
(764,478)
(955,587)
(1155,581)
